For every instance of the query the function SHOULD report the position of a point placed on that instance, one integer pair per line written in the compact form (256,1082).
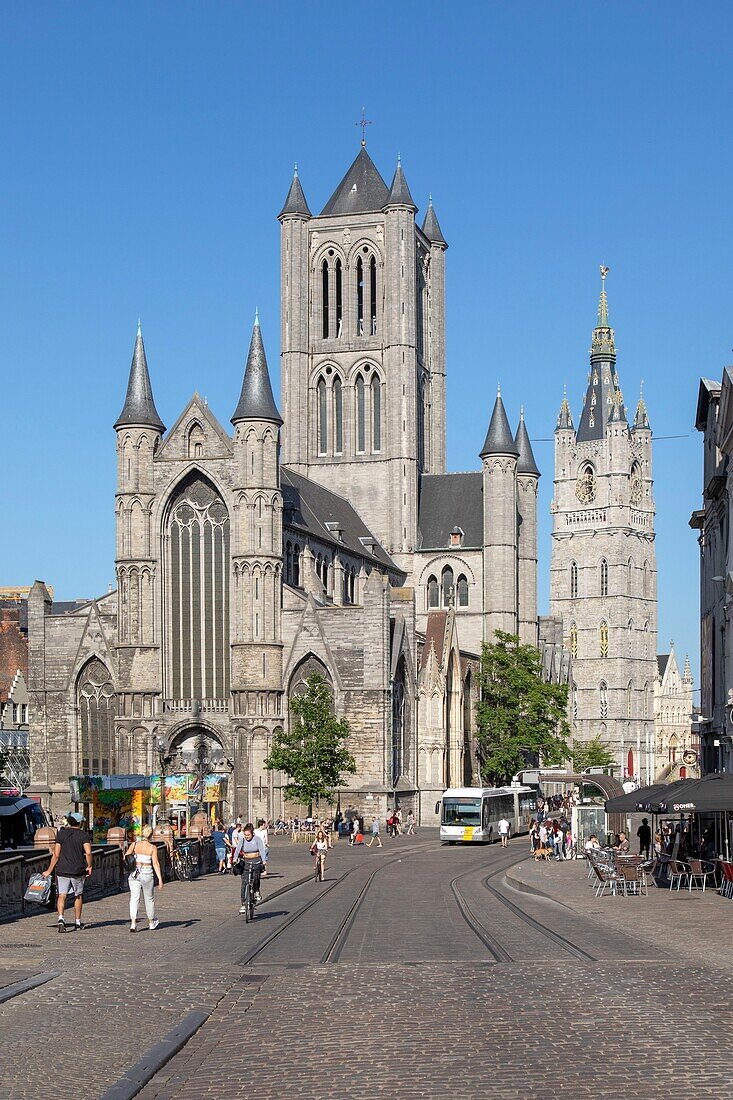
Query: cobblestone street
(419,967)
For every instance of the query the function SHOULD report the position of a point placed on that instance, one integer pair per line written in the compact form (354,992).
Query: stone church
(603,582)
(329,539)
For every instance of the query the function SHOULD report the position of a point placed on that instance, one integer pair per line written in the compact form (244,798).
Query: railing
(640,519)
(590,517)
(189,706)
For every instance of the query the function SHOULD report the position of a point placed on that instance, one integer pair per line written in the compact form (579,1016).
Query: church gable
(197,434)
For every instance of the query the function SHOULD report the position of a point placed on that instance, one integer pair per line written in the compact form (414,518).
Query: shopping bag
(39,889)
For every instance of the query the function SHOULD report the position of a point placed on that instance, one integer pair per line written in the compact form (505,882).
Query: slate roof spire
(399,192)
(295,203)
(139,408)
(431,227)
(601,402)
(603,344)
(361,191)
(641,416)
(565,416)
(256,401)
(499,439)
(526,462)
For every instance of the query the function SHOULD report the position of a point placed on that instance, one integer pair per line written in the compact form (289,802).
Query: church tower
(603,581)
(499,455)
(363,346)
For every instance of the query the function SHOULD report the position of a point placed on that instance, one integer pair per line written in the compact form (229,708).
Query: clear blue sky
(149,147)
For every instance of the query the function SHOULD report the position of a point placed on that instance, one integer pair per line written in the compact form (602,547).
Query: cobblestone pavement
(414,1001)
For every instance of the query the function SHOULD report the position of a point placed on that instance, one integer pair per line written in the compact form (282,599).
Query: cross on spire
(363,122)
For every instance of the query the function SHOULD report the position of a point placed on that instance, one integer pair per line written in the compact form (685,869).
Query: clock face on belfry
(636,489)
(585,490)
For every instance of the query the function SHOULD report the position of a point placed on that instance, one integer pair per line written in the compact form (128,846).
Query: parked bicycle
(182,863)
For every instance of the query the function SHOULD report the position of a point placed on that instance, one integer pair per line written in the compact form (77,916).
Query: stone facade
(328,540)
(603,580)
(677,745)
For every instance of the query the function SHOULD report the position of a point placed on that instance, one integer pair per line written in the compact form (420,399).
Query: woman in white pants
(142,879)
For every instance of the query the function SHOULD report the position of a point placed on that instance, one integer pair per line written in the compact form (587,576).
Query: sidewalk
(695,927)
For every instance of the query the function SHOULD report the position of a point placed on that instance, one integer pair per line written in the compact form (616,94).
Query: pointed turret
(361,191)
(641,416)
(431,227)
(687,674)
(565,416)
(399,192)
(139,408)
(618,409)
(499,439)
(256,401)
(600,397)
(295,203)
(526,462)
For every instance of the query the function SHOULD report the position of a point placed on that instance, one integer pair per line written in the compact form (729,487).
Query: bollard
(117,835)
(45,838)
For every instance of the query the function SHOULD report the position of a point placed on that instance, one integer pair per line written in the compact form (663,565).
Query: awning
(655,803)
(711,794)
(629,803)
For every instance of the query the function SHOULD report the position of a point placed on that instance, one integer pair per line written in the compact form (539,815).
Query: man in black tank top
(72,861)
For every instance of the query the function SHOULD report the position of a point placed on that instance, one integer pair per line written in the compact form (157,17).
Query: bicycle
(182,864)
(248,900)
(320,868)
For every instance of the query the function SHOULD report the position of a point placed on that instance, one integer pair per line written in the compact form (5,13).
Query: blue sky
(148,149)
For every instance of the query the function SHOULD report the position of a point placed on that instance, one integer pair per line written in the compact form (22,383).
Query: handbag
(39,889)
(238,867)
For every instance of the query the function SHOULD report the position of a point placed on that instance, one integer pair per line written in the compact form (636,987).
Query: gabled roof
(295,203)
(256,401)
(139,408)
(399,192)
(447,501)
(662,659)
(308,507)
(361,191)
(499,439)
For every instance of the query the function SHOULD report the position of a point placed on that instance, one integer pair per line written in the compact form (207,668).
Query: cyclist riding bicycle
(319,849)
(252,851)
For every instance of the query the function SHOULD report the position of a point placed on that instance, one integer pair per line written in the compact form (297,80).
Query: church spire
(431,227)
(399,192)
(601,403)
(526,462)
(256,401)
(499,439)
(295,203)
(603,342)
(139,408)
(565,416)
(641,416)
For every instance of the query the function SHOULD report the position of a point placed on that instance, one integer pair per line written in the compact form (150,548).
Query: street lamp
(164,760)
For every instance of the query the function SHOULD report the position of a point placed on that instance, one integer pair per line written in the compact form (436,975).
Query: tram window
(457,811)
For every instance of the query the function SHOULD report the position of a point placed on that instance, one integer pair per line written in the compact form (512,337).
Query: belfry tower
(603,581)
(363,346)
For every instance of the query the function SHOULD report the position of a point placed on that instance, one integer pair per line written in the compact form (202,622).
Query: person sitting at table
(622,844)
(591,844)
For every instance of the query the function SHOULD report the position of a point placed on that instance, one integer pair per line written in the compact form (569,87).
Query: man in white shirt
(504,831)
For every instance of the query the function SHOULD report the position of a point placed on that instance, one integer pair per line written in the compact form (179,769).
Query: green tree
(520,717)
(312,754)
(592,754)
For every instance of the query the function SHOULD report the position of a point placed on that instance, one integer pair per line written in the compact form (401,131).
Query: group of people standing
(552,838)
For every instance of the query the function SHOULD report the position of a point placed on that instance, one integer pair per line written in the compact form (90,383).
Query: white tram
(472,814)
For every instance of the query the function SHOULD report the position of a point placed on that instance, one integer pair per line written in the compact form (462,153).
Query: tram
(471,815)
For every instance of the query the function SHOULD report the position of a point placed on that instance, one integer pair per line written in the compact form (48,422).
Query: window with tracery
(462,591)
(398,722)
(322,417)
(603,698)
(629,699)
(376,413)
(573,580)
(574,639)
(338,416)
(95,699)
(447,586)
(197,563)
(604,577)
(574,689)
(360,415)
(433,592)
(603,638)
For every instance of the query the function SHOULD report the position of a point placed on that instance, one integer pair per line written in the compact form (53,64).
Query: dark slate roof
(603,386)
(295,203)
(256,401)
(499,439)
(447,500)
(361,191)
(662,659)
(525,463)
(139,407)
(431,227)
(435,635)
(399,192)
(308,507)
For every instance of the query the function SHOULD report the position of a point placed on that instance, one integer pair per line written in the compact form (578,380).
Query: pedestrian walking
(141,881)
(72,862)
(220,847)
(505,829)
(410,830)
(644,834)
(375,833)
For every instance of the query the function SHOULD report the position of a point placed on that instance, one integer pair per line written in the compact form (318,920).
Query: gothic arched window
(197,567)
(95,699)
(338,417)
(339,300)
(398,722)
(360,415)
(603,699)
(288,562)
(447,586)
(604,577)
(376,413)
(324,298)
(629,699)
(322,417)
(574,639)
(433,593)
(296,566)
(574,689)
(645,701)
(645,581)
(373,295)
(360,297)
(603,638)
(195,441)
(630,638)
(462,591)
(629,577)
(573,580)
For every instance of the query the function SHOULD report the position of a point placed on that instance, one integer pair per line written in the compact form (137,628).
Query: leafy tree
(312,754)
(520,717)
(592,754)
